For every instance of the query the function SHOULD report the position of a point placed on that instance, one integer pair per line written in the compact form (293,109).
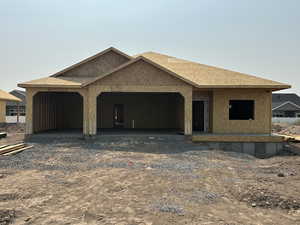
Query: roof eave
(271,87)
(48,86)
(15,99)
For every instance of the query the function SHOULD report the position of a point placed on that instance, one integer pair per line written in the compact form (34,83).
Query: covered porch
(206,115)
(144,112)
(77,111)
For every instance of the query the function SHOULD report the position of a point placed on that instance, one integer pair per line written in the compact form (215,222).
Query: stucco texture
(262,115)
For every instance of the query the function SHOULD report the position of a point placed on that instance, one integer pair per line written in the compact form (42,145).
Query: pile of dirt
(276,128)
(7,216)
(266,199)
(291,130)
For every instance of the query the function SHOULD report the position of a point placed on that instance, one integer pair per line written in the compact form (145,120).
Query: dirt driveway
(145,180)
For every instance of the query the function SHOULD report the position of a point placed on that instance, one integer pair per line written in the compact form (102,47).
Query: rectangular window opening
(241,110)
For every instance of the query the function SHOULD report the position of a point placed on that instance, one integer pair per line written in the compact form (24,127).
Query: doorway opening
(140,112)
(198,116)
(118,119)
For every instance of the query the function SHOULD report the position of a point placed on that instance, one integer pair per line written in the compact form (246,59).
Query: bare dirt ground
(145,180)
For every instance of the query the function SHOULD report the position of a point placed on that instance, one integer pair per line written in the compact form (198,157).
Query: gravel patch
(167,207)
(7,217)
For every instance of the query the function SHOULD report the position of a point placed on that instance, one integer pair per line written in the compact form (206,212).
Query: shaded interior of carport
(120,111)
(57,111)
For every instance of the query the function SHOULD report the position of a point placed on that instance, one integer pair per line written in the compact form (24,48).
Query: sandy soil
(145,180)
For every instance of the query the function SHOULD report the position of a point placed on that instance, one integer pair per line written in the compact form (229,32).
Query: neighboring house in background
(13,107)
(4,97)
(151,91)
(286,105)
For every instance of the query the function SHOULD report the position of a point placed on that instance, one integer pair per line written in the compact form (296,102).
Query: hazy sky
(259,37)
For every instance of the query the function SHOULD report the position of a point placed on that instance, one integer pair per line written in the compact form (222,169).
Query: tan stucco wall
(262,118)
(97,66)
(148,111)
(2,111)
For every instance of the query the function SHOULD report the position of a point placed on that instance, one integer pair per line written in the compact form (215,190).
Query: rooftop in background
(19,94)
(8,97)
(279,99)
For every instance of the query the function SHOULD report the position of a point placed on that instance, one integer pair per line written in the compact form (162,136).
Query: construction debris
(13,149)
(289,138)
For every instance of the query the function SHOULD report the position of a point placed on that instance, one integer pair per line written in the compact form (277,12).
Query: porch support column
(29,111)
(85,98)
(188,110)
(92,112)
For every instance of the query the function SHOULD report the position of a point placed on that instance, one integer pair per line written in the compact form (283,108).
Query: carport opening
(60,111)
(140,112)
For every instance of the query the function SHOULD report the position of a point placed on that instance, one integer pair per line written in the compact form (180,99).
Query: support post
(18,112)
(29,111)
(188,111)
(92,113)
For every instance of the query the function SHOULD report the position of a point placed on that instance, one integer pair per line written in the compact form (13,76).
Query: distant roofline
(287,102)
(19,91)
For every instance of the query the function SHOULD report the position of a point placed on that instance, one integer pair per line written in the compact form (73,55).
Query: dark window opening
(241,110)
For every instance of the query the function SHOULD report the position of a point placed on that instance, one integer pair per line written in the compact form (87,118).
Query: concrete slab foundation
(259,149)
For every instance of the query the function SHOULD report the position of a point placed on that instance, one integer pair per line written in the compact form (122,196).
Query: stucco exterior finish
(262,118)
(2,111)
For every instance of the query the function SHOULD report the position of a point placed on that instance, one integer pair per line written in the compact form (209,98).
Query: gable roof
(90,59)
(205,76)
(281,105)
(197,75)
(140,58)
(284,97)
(8,97)
(20,92)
